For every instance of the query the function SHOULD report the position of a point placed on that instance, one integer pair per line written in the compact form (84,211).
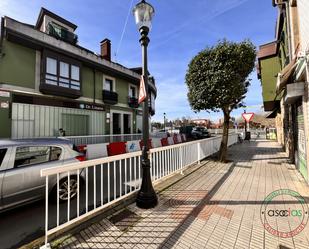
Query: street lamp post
(146,197)
(164,118)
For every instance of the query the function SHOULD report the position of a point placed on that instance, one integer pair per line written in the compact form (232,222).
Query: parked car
(20,164)
(200,132)
(187,130)
(164,131)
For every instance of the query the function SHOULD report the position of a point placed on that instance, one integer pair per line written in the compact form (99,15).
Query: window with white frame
(109,84)
(61,72)
(132,91)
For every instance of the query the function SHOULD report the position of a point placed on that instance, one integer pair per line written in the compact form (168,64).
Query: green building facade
(48,82)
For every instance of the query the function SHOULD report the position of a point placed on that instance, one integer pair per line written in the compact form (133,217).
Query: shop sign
(4,94)
(91,107)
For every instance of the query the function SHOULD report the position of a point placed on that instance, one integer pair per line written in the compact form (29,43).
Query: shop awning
(272,114)
(294,91)
(284,75)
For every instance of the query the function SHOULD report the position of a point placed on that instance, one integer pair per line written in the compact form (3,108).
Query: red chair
(82,148)
(164,141)
(116,148)
(176,139)
(141,143)
(183,138)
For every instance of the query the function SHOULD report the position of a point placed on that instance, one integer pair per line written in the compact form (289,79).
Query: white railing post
(181,160)
(199,152)
(46,244)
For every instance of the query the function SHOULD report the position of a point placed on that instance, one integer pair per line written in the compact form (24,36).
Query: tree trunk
(225,136)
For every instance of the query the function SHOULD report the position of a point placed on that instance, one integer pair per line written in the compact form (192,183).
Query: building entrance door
(116,123)
(126,123)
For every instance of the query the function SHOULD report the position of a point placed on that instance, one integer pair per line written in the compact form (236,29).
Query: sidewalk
(217,206)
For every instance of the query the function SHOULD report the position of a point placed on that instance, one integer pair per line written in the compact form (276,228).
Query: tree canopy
(217,77)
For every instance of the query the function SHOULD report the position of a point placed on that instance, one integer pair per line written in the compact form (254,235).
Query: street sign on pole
(248,116)
(142,91)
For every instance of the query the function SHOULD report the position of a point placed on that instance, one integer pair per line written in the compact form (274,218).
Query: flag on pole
(142,91)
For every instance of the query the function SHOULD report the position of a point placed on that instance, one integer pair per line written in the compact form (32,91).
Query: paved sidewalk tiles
(217,206)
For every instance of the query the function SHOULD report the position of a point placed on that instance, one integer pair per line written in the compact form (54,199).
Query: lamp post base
(146,197)
(146,200)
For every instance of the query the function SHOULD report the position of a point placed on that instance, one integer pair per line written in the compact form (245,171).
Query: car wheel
(64,187)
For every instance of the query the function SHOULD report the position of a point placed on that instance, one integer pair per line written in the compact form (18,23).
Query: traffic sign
(142,90)
(248,116)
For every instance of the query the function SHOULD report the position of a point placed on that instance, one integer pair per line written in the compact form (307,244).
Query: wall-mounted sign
(91,107)
(108,115)
(4,104)
(4,94)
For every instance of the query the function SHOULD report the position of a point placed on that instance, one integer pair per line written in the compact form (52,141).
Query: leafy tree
(177,122)
(186,120)
(217,79)
(157,125)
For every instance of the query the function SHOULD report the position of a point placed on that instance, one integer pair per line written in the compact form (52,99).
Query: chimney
(106,49)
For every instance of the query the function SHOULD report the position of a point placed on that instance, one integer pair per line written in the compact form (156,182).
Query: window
(75,77)
(2,154)
(132,91)
(30,155)
(55,153)
(151,100)
(64,75)
(51,71)
(61,72)
(108,85)
(56,29)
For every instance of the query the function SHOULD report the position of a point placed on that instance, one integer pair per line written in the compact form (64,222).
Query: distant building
(49,82)
(201,122)
(219,124)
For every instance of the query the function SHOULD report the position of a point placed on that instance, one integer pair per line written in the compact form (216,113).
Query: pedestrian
(61,132)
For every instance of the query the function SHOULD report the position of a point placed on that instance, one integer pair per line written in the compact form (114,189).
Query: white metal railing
(102,182)
(97,139)
(220,131)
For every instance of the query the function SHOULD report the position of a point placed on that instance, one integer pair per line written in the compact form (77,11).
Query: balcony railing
(62,34)
(111,179)
(110,97)
(133,102)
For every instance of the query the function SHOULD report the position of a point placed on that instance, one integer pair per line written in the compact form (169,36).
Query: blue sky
(180,30)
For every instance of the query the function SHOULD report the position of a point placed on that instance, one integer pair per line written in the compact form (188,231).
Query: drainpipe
(2,37)
(94,85)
